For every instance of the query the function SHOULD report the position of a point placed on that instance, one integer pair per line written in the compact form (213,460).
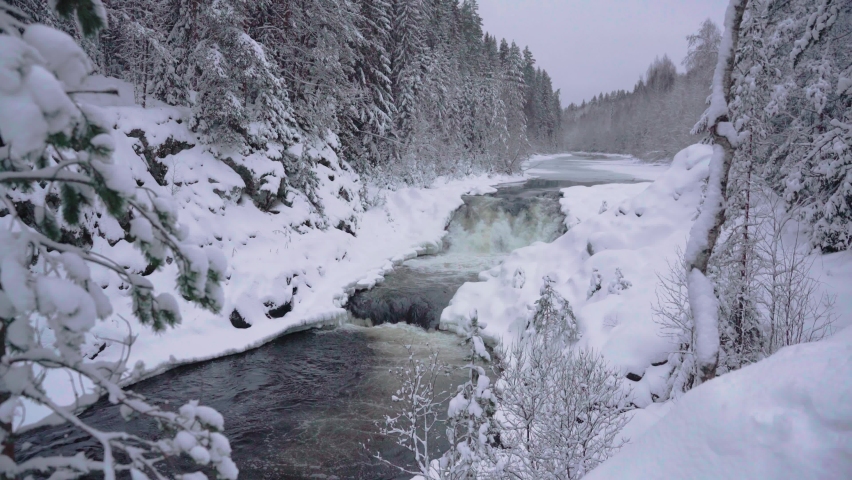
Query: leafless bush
(768,296)
(412,425)
(561,411)
(672,313)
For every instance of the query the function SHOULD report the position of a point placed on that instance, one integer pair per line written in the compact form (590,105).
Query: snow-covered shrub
(560,410)
(470,427)
(767,296)
(618,283)
(415,417)
(519,278)
(554,316)
(672,313)
(470,430)
(595,282)
(56,158)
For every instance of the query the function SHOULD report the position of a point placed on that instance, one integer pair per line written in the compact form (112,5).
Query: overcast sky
(594,46)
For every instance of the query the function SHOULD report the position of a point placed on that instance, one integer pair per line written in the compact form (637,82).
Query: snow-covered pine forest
(410,89)
(335,239)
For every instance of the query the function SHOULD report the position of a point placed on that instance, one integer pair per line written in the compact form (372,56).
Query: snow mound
(619,247)
(788,416)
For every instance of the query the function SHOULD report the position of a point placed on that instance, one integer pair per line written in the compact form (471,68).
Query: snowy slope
(294,261)
(788,416)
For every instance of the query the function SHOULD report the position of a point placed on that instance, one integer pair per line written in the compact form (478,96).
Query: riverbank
(289,269)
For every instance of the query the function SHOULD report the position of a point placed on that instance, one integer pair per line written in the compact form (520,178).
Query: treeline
(412,88)
(654,119)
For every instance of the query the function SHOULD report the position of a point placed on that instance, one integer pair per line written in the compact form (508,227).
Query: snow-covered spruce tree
(811,48)
(512,95)
(136,48)
(619,283)
(370,121)
(554,318)
(55,151)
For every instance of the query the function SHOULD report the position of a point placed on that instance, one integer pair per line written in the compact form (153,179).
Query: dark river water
(302,406)
(306,405)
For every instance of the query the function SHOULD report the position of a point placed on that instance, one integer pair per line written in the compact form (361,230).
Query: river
(307,404)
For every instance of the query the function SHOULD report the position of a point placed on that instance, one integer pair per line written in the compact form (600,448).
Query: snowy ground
(788,416)
(783,407)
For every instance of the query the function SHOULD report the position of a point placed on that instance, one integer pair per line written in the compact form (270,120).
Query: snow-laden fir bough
(54,149)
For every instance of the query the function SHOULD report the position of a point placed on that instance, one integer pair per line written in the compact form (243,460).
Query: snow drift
(788,416)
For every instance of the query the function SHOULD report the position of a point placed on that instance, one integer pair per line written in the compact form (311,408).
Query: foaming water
(488,225)
(480,235)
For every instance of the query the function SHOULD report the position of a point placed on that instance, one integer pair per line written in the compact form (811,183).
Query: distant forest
(654,119)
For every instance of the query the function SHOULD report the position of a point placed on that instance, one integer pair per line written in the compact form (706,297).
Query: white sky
(594,46)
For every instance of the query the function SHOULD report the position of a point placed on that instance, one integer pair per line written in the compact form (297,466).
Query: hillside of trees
(410,89)
(654,119)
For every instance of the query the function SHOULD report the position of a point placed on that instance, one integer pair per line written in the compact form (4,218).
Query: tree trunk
(7,441)
(705,231)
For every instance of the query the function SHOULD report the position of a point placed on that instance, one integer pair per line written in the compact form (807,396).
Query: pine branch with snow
(54,147)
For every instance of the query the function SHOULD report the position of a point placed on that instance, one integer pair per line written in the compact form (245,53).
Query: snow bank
(638,230)
(788,416)
(288,270)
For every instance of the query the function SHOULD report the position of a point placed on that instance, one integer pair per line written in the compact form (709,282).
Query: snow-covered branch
(56,147)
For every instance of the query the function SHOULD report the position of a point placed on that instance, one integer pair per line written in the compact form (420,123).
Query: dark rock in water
(238,321)
(399,299)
